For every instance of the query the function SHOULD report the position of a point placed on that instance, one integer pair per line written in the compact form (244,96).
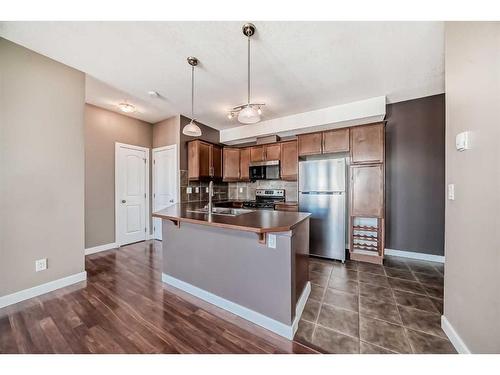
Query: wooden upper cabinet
(257,153)
(336,141)
(231,164)
(367,190)
(310,144)
(367,144)
(204,160)
(199,155)
(244,164)
(272,151)
(289,161)
(216,155)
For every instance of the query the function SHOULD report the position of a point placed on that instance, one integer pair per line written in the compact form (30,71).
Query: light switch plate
(197,189)
(451,192)
(271,241)
(462,141)
(189,190)
(40,264)
(206,190)
(241,190)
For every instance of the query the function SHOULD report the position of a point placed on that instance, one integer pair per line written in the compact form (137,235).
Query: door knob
(124,201)
(171,201)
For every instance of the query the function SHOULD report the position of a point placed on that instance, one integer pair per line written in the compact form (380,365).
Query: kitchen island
(253,263)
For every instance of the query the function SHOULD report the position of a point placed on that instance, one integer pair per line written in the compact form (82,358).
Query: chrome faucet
(210,193)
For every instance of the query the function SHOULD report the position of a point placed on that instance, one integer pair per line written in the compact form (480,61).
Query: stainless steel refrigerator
(322,193)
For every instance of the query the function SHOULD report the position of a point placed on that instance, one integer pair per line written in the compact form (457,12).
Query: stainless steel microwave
(265,170)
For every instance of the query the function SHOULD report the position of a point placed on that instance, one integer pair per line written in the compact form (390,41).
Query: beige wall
(166,132)
(41,168)
(472,240)
(102,129)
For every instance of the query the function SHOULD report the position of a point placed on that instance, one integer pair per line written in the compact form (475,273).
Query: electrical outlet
(197,189)
(451,192)
(40,264)
(241,190)
(206,190)
(271,241)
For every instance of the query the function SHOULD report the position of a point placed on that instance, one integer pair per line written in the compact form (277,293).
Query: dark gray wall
(415,175)
(207,134)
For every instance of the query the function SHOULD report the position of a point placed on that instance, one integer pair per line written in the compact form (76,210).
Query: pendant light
(192,129)
(248,113)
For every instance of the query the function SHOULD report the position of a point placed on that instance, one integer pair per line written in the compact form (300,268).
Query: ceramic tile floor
(364,308)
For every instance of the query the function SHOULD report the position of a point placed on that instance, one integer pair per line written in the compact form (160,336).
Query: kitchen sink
(227,211)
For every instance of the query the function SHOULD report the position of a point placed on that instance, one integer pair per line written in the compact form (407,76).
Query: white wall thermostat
(462,141)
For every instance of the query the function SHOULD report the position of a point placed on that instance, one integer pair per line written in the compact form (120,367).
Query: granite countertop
(258,221)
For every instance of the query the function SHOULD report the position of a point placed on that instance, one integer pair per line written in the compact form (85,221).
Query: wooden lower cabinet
(289,161)
(231,164)
(292,207)
(367,213)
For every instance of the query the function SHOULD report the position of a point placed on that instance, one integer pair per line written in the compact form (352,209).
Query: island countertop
(258,221)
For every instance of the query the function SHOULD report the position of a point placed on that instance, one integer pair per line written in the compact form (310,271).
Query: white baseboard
(25,294)
(413,255)
(98,249)
(279,328)
(455,339)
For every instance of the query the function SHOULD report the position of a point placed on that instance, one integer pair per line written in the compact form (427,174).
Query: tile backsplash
(196,191)
(246,190)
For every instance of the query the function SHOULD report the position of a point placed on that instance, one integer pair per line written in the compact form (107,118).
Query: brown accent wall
(415,175)
(102,129)
(41,168)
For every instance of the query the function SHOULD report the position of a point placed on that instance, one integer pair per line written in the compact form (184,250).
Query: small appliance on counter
(322,185)
(266,198)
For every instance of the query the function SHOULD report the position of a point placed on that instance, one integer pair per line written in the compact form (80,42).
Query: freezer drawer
(327,223)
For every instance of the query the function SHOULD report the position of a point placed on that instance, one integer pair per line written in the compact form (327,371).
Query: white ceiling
(296,66)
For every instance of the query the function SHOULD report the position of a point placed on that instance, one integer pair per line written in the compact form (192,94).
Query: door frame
(147,234)
(177,174)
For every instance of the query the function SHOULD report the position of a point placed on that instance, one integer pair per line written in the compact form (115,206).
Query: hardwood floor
(123,307)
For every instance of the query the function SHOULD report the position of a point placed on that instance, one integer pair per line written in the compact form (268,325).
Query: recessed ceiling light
(126,107)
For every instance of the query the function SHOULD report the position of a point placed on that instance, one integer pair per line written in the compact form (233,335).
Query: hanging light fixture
(248,113)
(192,129)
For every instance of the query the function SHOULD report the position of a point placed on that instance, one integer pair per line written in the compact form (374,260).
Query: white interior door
(164,182)
(131,193)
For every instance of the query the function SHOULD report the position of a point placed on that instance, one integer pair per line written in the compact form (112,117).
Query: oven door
(257,172)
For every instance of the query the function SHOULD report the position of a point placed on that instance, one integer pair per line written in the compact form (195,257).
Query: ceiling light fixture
(247,113)
(192,129)
(126,107)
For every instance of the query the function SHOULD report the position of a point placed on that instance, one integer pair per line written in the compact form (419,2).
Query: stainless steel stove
(266,198)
